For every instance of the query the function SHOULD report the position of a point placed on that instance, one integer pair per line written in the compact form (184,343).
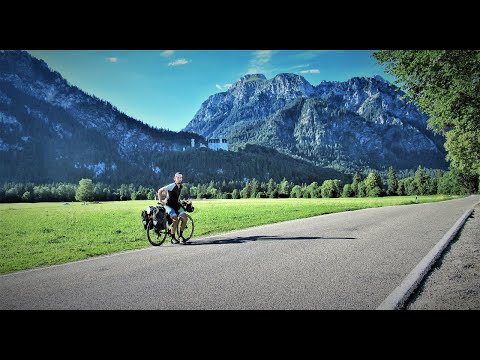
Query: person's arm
(166,188)
(160,191)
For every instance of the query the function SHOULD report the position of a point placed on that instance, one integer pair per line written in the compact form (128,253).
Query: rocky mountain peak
(22,64)
(364,119)
(292,83)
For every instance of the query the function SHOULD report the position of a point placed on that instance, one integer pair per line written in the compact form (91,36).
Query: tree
(11,195)
(246,191)
(392,183)
(271,186)
(186,191)
(285,187)
(212,191)
(27,196)
(273,194)
(235,194)
(314,190)
(454,182)
(151,195)
(85,190)
(410,186)
(401,191)
(361,189)
(330,189)
(347,191)
(356,179)
(296,192)
(373,184)
(254,188)
(421,180)
(446,85)
(124,192)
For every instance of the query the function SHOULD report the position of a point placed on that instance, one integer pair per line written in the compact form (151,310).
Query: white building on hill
(218,144)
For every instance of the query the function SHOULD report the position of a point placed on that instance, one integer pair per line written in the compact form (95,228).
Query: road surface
(350,260)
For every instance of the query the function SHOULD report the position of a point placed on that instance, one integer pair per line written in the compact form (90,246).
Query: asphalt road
(350,260)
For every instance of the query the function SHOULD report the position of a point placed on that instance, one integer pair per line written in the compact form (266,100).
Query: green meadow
(41,234)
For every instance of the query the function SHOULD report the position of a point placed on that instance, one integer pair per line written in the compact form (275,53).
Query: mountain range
(352,125)
(52,131)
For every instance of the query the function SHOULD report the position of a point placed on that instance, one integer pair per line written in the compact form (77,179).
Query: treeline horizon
(450,182)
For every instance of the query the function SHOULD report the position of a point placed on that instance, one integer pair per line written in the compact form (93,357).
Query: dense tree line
(446,85)
(369,184)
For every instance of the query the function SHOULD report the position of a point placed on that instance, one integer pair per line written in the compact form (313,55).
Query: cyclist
(173,206)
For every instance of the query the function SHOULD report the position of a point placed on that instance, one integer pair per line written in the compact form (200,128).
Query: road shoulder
(453,283)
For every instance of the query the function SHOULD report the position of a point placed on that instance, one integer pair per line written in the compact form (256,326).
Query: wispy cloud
(178,62)
(167,53)
(224,87)
(298,66)
(259,61)
(112,59)
(310,71)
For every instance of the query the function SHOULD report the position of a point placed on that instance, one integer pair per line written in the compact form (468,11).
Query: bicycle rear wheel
(189,227)
(155,237)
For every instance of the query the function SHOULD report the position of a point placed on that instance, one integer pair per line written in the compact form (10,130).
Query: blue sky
(165,88)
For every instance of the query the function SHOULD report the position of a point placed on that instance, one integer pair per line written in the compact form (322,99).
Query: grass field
(40,234)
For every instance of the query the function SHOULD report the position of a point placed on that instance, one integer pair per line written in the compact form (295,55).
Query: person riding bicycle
(173,206)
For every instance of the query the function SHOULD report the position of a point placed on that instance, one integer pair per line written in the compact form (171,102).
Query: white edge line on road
(397,297)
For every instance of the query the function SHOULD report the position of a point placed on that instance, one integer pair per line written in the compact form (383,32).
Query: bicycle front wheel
(188,231)
(155,237)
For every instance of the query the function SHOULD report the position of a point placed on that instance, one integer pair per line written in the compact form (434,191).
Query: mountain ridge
(52,131)
(368,121)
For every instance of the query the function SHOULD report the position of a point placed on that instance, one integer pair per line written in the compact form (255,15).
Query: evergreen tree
(246,191)
(392,182)
(421,180)
(401,191)
(254,188)
(271,186)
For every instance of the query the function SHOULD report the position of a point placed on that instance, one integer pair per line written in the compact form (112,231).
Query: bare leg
(174,225)
(184,222)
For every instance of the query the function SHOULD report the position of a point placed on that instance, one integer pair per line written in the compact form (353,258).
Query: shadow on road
(243,239)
